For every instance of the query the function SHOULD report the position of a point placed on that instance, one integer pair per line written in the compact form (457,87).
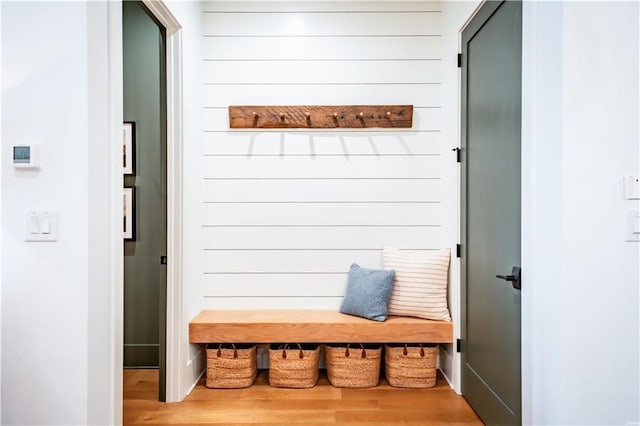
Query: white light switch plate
(41,225)
(631,188)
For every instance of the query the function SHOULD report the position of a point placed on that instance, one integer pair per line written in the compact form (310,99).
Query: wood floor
(323,404)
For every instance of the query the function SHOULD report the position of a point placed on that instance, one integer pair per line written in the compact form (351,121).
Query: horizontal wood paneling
(321,237)
(275,285)
(418,95)
(290,262)
(321,142)
(345,24)
(320,6)
(321,72)
(272,302)
(322,167)
(424,119)
(296,48)
(274,214)
(285,213)
(322,190)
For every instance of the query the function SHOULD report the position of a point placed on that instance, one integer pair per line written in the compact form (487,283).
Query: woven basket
(231,366)
(293,368)
(353,367)
(410,365)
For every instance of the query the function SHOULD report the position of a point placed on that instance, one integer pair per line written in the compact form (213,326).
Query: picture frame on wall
(128,147)
(128,214)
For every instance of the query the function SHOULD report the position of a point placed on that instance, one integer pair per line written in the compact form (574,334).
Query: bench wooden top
(319,326)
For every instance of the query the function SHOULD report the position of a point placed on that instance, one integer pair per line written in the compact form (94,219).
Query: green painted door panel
(491,206)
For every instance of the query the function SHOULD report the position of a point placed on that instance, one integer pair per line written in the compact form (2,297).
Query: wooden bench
(313,326)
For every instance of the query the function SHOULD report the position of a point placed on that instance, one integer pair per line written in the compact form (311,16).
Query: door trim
(175,336)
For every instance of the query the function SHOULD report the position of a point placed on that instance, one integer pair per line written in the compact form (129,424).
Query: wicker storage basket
(231,365)
(292,365)
(410,365)
(353,367)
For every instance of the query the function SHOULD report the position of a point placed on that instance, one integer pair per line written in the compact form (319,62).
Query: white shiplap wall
(284,213)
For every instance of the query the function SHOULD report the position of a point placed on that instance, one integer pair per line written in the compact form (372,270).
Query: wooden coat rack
(320,116)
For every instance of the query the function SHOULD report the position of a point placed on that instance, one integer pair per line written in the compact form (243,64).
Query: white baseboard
(446,366)
(195,368)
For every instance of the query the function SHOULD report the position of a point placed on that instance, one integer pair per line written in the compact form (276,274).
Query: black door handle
(515,278)
(507,277)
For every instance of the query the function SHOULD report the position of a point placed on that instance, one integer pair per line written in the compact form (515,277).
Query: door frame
(175,332)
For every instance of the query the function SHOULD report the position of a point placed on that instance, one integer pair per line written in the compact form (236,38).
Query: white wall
(45,307)
(284,213)
(580,136)
(58,337)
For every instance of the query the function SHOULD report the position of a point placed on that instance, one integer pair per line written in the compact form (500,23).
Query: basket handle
(405,351)
(219,353)
(286,346)
(346,352)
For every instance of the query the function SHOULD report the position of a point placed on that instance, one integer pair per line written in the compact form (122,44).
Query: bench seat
(313,326)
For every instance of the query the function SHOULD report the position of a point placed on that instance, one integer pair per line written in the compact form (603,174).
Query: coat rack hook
(282,116)
(388,114)
(361,115)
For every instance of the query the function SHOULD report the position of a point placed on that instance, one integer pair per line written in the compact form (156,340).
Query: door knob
(515,277)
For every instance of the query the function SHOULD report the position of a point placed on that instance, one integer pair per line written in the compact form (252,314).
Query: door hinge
(163,260)
(459,60)
(458,250)
(458,151)
(458,345)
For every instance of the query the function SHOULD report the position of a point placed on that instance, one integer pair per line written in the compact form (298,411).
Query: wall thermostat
(26,156)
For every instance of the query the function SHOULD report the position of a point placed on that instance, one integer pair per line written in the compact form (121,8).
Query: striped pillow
(420,284)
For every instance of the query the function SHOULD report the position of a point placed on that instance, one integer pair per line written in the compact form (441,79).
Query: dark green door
(491,117)
(144,84)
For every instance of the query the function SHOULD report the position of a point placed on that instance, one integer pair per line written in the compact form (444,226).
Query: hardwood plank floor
(323,404)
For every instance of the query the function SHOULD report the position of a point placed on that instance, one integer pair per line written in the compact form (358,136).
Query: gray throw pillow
(368,292)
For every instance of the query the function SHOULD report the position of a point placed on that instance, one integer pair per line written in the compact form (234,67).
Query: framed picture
(128,147)
(128,214)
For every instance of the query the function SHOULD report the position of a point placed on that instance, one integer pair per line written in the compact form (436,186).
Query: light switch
(42,225)
(46,224)
(633,225)
(631,188)
(33,223)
